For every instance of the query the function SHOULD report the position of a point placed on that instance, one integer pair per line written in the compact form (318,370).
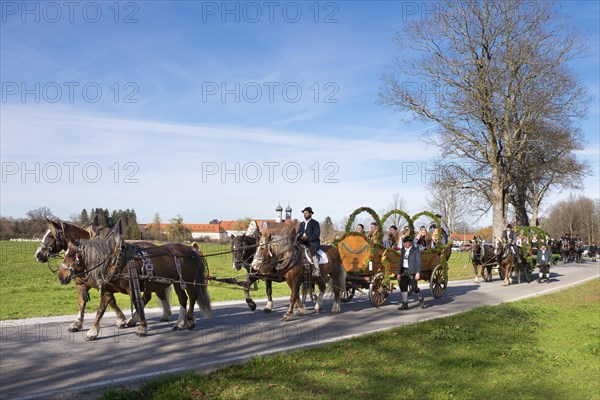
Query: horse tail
(341,278)
(202,288)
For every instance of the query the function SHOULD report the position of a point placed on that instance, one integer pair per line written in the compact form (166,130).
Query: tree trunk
(498,207)
(522,218)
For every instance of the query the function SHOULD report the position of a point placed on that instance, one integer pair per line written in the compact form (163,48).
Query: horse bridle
(245,247)
(60,242)
(274,261)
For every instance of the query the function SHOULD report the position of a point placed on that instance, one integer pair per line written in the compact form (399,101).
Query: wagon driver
(309,234)
(509,238)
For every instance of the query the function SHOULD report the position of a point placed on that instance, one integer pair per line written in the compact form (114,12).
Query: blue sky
(219,109)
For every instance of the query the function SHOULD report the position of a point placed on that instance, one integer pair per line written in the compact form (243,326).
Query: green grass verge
(541,348)
(30,289)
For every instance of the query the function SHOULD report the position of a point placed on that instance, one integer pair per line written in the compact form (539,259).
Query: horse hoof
(131,323)
(252,306)
(141,332)
(287,318)
(73,329)
(164,319)
(91,336)
(267,310)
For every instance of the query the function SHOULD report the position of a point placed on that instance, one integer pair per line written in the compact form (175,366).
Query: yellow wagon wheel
(378,291)
(438,281)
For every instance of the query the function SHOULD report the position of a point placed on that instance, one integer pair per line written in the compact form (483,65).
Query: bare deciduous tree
(548,162)
(497,68)
(37,218)
(451,203)
(575,215)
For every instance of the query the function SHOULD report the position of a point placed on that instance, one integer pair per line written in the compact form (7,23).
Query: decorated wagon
(370,265)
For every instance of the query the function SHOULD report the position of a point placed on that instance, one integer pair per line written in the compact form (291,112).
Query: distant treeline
(34,226)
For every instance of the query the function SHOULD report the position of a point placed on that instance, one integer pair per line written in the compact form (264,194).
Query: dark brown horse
(56,239)
(482,257)
(282,256)
(114,266)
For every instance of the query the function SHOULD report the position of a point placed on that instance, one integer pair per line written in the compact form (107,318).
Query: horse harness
(128,254)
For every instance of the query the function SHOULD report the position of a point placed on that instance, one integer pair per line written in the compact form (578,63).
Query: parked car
(465,247)
(586,251)
(455,247)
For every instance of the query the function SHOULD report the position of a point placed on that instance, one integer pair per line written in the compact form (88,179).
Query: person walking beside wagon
(309,234)
(544,258)
(409,272)
(593,251)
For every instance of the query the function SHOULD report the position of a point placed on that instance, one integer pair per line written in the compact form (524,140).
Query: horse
(578,251)
(114,266)
(283,257)
(512,260)
(555,246)
(243,248)
(566,250)
(57,238)
(482,255)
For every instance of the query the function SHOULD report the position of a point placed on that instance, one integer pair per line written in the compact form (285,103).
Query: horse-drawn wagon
(371,266)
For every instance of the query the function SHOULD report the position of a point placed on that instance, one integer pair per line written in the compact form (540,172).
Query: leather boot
(316,272)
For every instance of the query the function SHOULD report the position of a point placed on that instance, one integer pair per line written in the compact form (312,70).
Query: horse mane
(73,232)
(278,230)
(97,255)
(281,244)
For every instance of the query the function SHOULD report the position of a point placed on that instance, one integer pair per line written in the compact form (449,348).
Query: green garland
(379,222)
(528,232)
(411,224)
(369,210)
(438,222)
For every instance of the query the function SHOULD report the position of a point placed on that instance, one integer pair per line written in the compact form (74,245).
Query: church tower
(278,212)
(288,212)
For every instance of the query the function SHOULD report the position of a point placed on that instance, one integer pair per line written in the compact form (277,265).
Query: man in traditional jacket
(309,234)
(409,271)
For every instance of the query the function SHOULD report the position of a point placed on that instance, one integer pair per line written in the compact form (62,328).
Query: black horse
(243,248)
(482,256)
(566,250)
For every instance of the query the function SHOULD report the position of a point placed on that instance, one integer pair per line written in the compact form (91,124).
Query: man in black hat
(544,258)
(309,234)
(509,238)
(409,271)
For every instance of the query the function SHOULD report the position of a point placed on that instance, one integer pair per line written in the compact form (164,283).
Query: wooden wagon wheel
(526,272)
(348,294)
(378,291)
(438,281)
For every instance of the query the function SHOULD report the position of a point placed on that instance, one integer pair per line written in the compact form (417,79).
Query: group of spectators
(424,238)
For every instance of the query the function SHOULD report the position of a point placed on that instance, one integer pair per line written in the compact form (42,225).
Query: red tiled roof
(223,226)
(205,228)
(462,236)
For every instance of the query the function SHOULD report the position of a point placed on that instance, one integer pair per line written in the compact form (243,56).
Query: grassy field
(541,348)
(30,289)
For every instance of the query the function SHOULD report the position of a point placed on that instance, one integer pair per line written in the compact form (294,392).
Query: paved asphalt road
(39,358)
